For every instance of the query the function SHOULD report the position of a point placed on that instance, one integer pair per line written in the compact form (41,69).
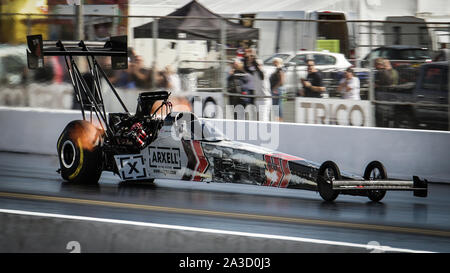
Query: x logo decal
(132,167)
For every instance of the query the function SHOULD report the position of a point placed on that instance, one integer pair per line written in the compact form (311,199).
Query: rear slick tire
(79,153)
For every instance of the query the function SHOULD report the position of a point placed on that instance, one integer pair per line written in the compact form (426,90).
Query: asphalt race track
(29,182)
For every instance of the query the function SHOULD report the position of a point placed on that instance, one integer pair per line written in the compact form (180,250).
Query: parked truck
(423,104)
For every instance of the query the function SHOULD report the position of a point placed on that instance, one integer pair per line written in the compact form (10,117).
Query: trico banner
(333,111)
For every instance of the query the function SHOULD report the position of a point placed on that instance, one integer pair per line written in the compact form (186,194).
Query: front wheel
(328,173)
(375,171)
(79,152)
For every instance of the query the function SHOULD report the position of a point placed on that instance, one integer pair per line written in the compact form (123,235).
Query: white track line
(215,231)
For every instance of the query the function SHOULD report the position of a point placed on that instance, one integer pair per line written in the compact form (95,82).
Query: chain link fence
(414,51)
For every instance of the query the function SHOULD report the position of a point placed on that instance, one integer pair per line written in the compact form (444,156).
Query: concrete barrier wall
(33,130)
(403,152)
(40,232)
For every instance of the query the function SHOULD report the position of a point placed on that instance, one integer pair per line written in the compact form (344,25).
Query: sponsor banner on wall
(333,112)
(52,96)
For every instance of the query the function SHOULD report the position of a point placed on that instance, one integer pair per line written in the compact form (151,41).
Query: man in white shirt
(349,86)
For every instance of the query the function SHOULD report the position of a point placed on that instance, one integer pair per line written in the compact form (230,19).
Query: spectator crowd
(247,82)
(139,77)
(136,76)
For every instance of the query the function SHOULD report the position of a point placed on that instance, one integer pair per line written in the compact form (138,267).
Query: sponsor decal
(333,111)
(197,161)
(287,174)
(131,166)
(164,172)
(277,169)
(274,172)
(162,157)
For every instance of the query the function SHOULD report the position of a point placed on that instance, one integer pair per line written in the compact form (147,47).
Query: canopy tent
(195,29)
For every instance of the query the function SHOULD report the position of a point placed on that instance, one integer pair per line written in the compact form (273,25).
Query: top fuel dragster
(158,143)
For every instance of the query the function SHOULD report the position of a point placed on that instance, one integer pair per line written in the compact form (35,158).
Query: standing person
(251,66)
(313,84)
(161,80)
(349,86)
(390,71)
(237,81)
(382,77)
(277,80)
(133,76)
(138,74)
(258,81)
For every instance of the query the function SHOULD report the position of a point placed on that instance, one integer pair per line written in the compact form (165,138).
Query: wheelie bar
(420,187)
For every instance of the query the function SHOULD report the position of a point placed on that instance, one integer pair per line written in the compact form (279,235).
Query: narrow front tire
(328,173)
(375,171)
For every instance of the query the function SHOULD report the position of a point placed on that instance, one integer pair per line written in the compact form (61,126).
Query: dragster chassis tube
(420,187)
(373,184)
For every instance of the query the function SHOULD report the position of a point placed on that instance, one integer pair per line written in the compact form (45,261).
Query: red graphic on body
(202,163)
(277,165)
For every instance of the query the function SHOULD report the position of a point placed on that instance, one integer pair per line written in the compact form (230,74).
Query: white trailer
(279,36)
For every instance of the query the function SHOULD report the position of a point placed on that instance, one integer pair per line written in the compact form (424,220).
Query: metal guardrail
(409,103)
(222,18)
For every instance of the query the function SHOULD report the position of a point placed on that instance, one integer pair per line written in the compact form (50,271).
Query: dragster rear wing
(89,95)
(115,47)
